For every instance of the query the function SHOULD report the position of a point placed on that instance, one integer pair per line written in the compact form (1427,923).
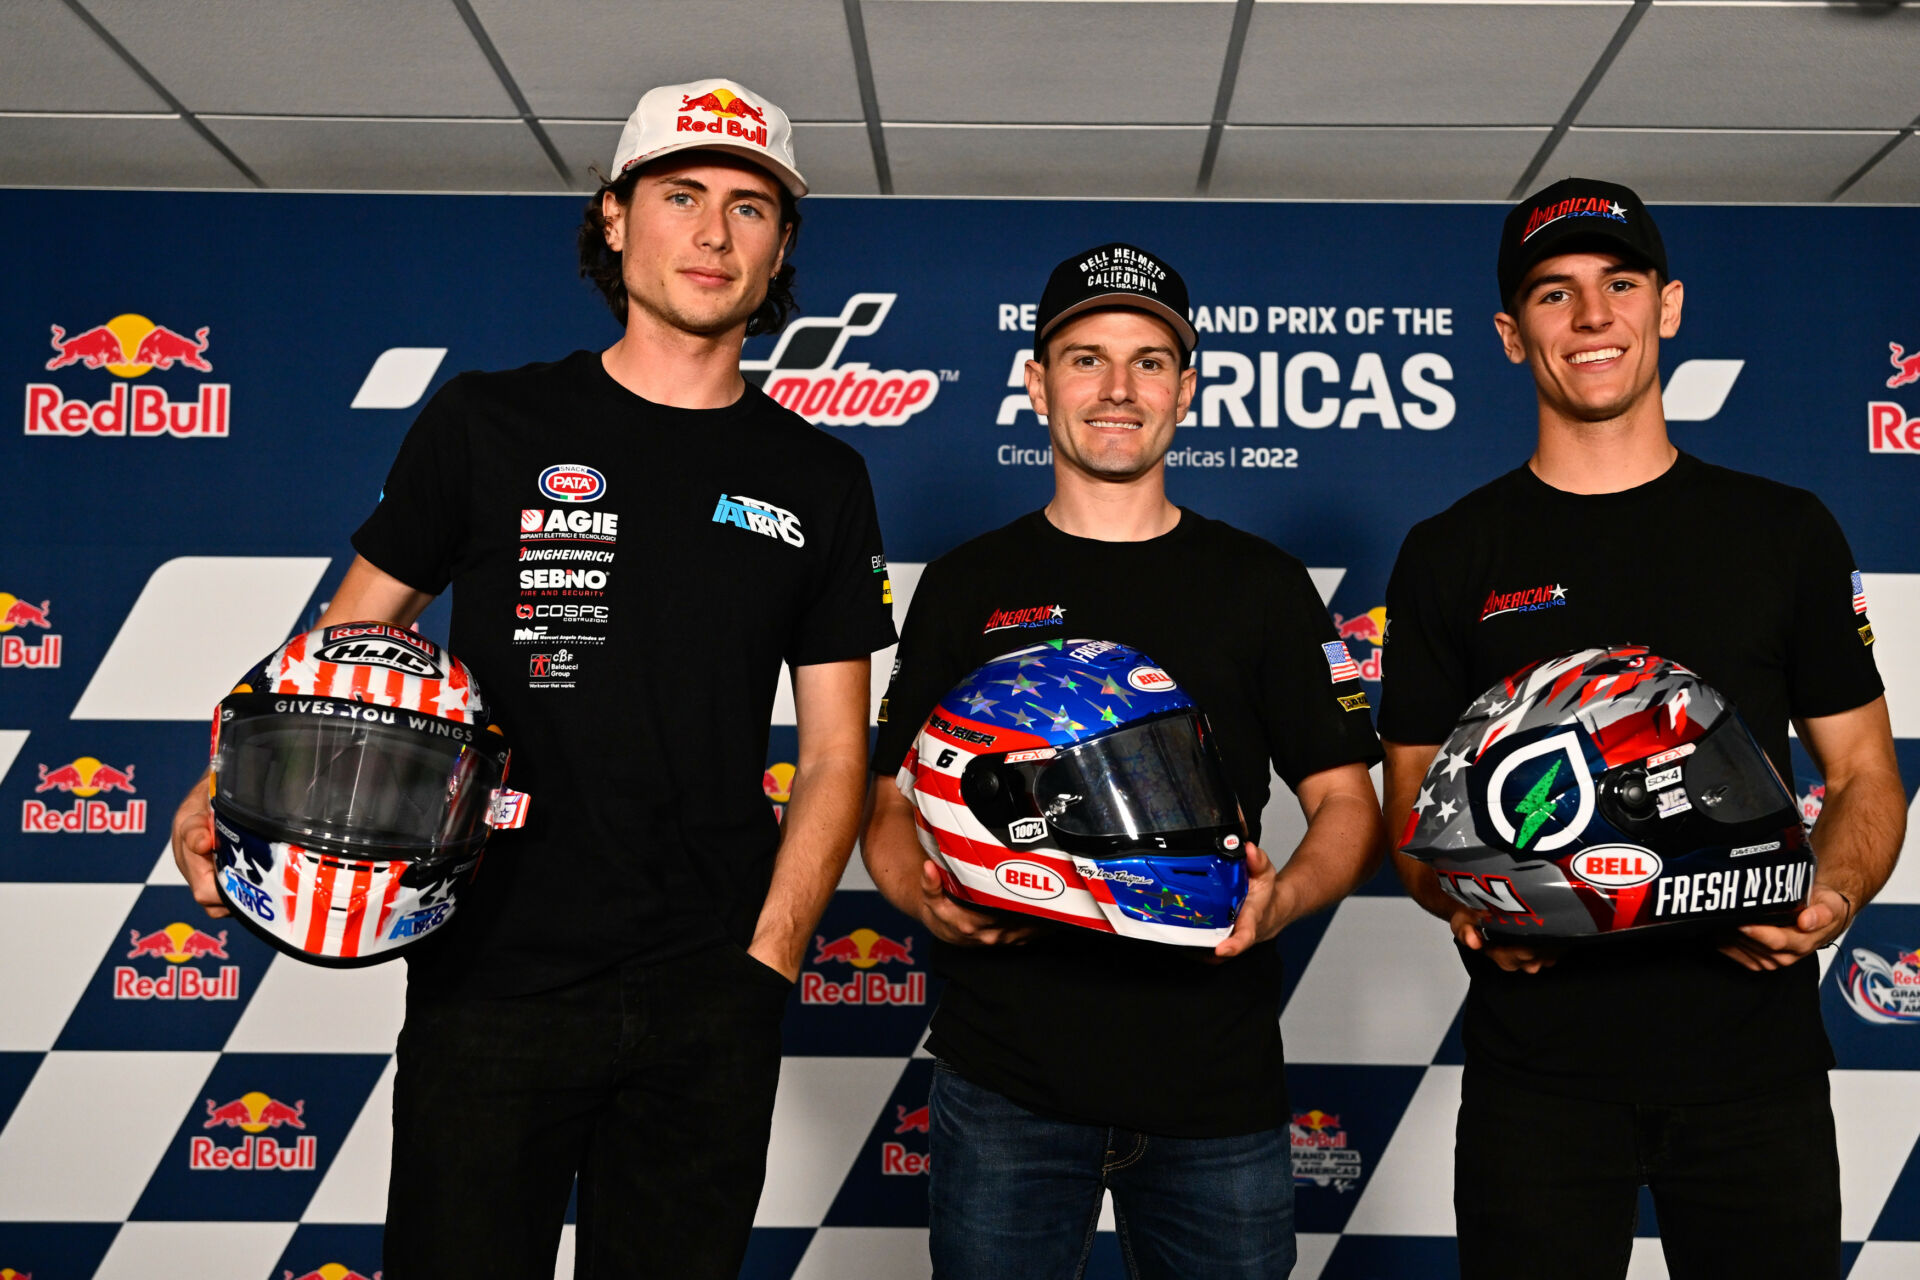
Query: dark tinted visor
(1730,780)
(359,782)
(1158,777)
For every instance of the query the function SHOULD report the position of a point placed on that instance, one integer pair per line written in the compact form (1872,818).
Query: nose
(1117,386)
(1594,310)
(714,232)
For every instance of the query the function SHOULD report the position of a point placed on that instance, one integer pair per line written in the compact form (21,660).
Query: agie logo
(1616,866)
(571,482)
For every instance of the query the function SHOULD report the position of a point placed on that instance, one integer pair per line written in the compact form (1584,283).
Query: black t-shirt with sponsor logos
(1083,1025)
(1743,580)
(627,580)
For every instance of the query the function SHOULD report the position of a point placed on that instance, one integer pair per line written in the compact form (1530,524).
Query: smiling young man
(607,1005)
(1073,1062)
(1695,1067)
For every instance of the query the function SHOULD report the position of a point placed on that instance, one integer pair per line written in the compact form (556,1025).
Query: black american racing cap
(1575,214)
(1115,275)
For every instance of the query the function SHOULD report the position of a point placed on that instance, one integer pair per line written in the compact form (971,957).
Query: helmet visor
(1730,780)
(371,782)
(1159,777)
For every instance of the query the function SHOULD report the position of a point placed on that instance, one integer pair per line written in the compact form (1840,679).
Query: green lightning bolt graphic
(1536,807)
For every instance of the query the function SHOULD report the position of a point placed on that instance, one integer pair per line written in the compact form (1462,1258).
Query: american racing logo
(865,950)
(571,482)
(394,648)
(1551,596)
(761,517)
(14,650)
(1576,207)
(129,346)
(538,524)
(84,778)
(802,373)
(1040,615)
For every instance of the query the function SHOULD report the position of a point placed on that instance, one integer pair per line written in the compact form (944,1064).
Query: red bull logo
(895,1159)
(8,1273)
(1371,627)
(1906,367)
(910,1121)
(1321,1155)
(177,944)
(805,375)
(731,116)
(84,778)
(777,782)
(129,346)
(1890,430)
(255,1114)
(14,650)
(1813,802)
(331,1271)
(864,949)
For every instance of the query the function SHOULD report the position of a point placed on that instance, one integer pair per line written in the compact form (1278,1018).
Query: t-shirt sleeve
(416,531)
(1425,666)
(927,664)
(1316,705)
(1830,665)
(850,610)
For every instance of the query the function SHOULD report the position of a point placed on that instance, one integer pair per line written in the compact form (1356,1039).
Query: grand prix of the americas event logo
(1882,991)
(1321,1154)
(1889,429)
(805,375)
(129,346)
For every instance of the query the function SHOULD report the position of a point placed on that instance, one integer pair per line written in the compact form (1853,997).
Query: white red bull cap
(715,115)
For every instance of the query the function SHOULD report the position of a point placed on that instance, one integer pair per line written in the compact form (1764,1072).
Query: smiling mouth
(1113,424)
(1595,357)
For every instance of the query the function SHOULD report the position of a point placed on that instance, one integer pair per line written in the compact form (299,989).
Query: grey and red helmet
(1607,791)
(357,772)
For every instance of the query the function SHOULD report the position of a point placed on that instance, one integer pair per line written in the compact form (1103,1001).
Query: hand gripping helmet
(355,776)
(1075,781)
(1609,791)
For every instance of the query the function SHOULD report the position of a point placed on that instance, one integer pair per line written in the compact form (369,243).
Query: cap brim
(1182,327)
(789,178)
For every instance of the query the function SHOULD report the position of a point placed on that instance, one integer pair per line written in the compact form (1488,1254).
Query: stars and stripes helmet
(356,774)
(1076,781)
(1608,791)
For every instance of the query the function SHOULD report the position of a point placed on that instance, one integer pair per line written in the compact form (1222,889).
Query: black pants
(653,1083)
(1545,1187)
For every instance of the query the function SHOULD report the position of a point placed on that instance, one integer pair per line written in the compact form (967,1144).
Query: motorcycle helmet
(1075,781)
(1605,792)
(356,774)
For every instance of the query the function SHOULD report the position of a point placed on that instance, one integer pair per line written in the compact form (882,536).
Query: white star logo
(452,699)
(1455,763)
(1425,801)
(1617,210)
(1058,612)
(1559,592)
(1447,810)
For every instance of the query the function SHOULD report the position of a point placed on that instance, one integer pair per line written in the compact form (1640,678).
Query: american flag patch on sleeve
(1859,593)
(1340,662)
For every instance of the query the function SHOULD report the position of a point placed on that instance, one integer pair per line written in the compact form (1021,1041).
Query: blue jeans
(1013,1193)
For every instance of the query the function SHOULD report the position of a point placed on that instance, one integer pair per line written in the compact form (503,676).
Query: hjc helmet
(1077,782)
(356,773)
(1608,791)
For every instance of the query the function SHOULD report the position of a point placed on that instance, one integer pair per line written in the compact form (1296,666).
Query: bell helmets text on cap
(1115,275)
(1609,791)
(1076,781)
(713,115)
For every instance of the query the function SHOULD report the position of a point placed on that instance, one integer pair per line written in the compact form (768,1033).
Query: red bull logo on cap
(129,346)
(84,778)
(733,116)
(254,1114)
(14,650)
(1370,626)
(864,949)
(177,944)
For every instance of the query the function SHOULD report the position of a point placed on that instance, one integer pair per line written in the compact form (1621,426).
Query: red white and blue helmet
(1609,791)
(1077,782)
(356,774)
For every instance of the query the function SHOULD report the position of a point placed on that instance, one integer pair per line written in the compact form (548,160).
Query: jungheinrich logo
(129,346)
(805,375)
(1540,798)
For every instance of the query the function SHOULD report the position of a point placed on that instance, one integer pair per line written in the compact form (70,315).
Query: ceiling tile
(1895,180)
(1730,165)
(1372,164)
(310,57)
(1090,63)
(51,61)
(592,59)
(1801,66)
(1418,63)
(835,159)
(1048,160)
(390,155)
(77,151)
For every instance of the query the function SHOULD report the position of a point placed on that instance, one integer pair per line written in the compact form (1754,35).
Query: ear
(1510,342)
(1037,386)
(780,255)
(613,215)
(1672,295)
(1189,382)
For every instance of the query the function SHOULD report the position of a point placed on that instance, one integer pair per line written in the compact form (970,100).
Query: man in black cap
(1696,1067)
(1076,1062)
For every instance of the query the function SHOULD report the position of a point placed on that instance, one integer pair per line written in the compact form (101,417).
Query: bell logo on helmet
(1029,880)
(1150,679)
(1557,800)
(1616,866)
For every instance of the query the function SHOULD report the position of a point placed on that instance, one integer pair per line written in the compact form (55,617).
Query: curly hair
(600,265)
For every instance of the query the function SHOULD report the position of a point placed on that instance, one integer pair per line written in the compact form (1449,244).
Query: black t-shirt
(627,580)
(1087,1026)
(1741,579)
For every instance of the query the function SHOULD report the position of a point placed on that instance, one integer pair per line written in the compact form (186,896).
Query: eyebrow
(1095,348)
(1623,268)
(738,193)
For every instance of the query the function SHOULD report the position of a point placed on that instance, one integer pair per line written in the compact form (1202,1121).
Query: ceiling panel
(51,61)
(1372,164)
(835,159)
(1793,66)
(592,59)
(74,151)
(1053,160)
(1418,63)
(310,57)
(1895,180)
(1731,165)
(390,155)
(1086,63)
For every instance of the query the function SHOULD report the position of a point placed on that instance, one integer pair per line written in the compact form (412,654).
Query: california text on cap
(1115,275)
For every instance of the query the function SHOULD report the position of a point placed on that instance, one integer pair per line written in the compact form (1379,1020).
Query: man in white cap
(637,540)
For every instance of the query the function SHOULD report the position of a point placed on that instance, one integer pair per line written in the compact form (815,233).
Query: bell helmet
(1604,792)
(356,774)
(1077,782)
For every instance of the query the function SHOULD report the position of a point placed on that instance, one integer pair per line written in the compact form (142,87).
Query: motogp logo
(571,482)
(804,373)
